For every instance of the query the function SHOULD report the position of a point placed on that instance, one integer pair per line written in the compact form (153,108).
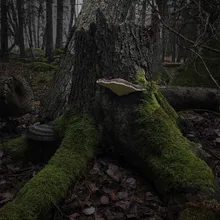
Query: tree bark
(20,8)
(59,37)
(30,31)
(49,30)
(4,30)
(72,15)
(58,96)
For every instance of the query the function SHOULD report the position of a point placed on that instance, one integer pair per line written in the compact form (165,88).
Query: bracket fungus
(42,132)
(120,86)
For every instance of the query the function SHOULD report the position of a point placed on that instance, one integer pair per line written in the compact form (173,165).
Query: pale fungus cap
(120,86)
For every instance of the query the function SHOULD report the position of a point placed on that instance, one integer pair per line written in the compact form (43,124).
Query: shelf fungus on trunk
(42,132)
(120,86)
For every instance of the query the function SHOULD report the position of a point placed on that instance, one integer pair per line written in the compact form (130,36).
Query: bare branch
(207,69)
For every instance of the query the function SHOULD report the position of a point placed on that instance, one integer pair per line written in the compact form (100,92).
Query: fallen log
(182,98)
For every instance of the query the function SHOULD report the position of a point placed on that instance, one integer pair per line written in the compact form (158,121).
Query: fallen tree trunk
(181,98)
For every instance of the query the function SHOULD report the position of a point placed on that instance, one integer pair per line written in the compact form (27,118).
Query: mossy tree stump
(141,126)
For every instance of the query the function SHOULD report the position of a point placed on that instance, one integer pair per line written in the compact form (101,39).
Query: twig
(207,69)
(178,34)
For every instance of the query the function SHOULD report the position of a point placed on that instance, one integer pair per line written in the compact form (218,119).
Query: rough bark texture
(113,13)
(20,7)
(49,30)
(59,37)
(4,30)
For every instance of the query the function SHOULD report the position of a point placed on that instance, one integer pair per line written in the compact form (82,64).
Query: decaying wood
(181,98)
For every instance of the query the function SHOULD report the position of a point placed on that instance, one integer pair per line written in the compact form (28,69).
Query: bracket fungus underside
(120,86)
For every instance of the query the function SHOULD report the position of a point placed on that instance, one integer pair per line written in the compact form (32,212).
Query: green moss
(140,79)
(167,154)
(16,148)
(166,106)
(58,52)
(41,66)
(198,214)
(51,184)
(45,77)
(39,53)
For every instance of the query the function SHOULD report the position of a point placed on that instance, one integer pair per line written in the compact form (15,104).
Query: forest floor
(109,190)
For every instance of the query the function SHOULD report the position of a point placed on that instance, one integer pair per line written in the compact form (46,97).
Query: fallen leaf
(93,187)
(37,102)
(89,211)
(5,197)
(112,167)
(123,204)
(104,200)
(113,196)
(74,216)
(122,195)
(95,170)
(148,195)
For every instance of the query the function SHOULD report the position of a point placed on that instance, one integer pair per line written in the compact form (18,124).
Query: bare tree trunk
(39,17)
(30,32)
(49,30)
(59,37)
(58,97)
(72,15)
(20,8)
(4,30)
(33,22)
(13,21)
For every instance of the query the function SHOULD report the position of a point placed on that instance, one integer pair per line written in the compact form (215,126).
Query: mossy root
(16,148)
(158,149)
(50,185)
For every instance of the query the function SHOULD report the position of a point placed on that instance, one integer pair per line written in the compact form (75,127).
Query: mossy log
(16,148)
(51,184)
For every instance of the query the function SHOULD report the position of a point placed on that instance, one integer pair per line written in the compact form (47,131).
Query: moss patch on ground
(50,185)
(43,67)
(58,52)
(42,78)
(36,52)
(16,148)
(198,214)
